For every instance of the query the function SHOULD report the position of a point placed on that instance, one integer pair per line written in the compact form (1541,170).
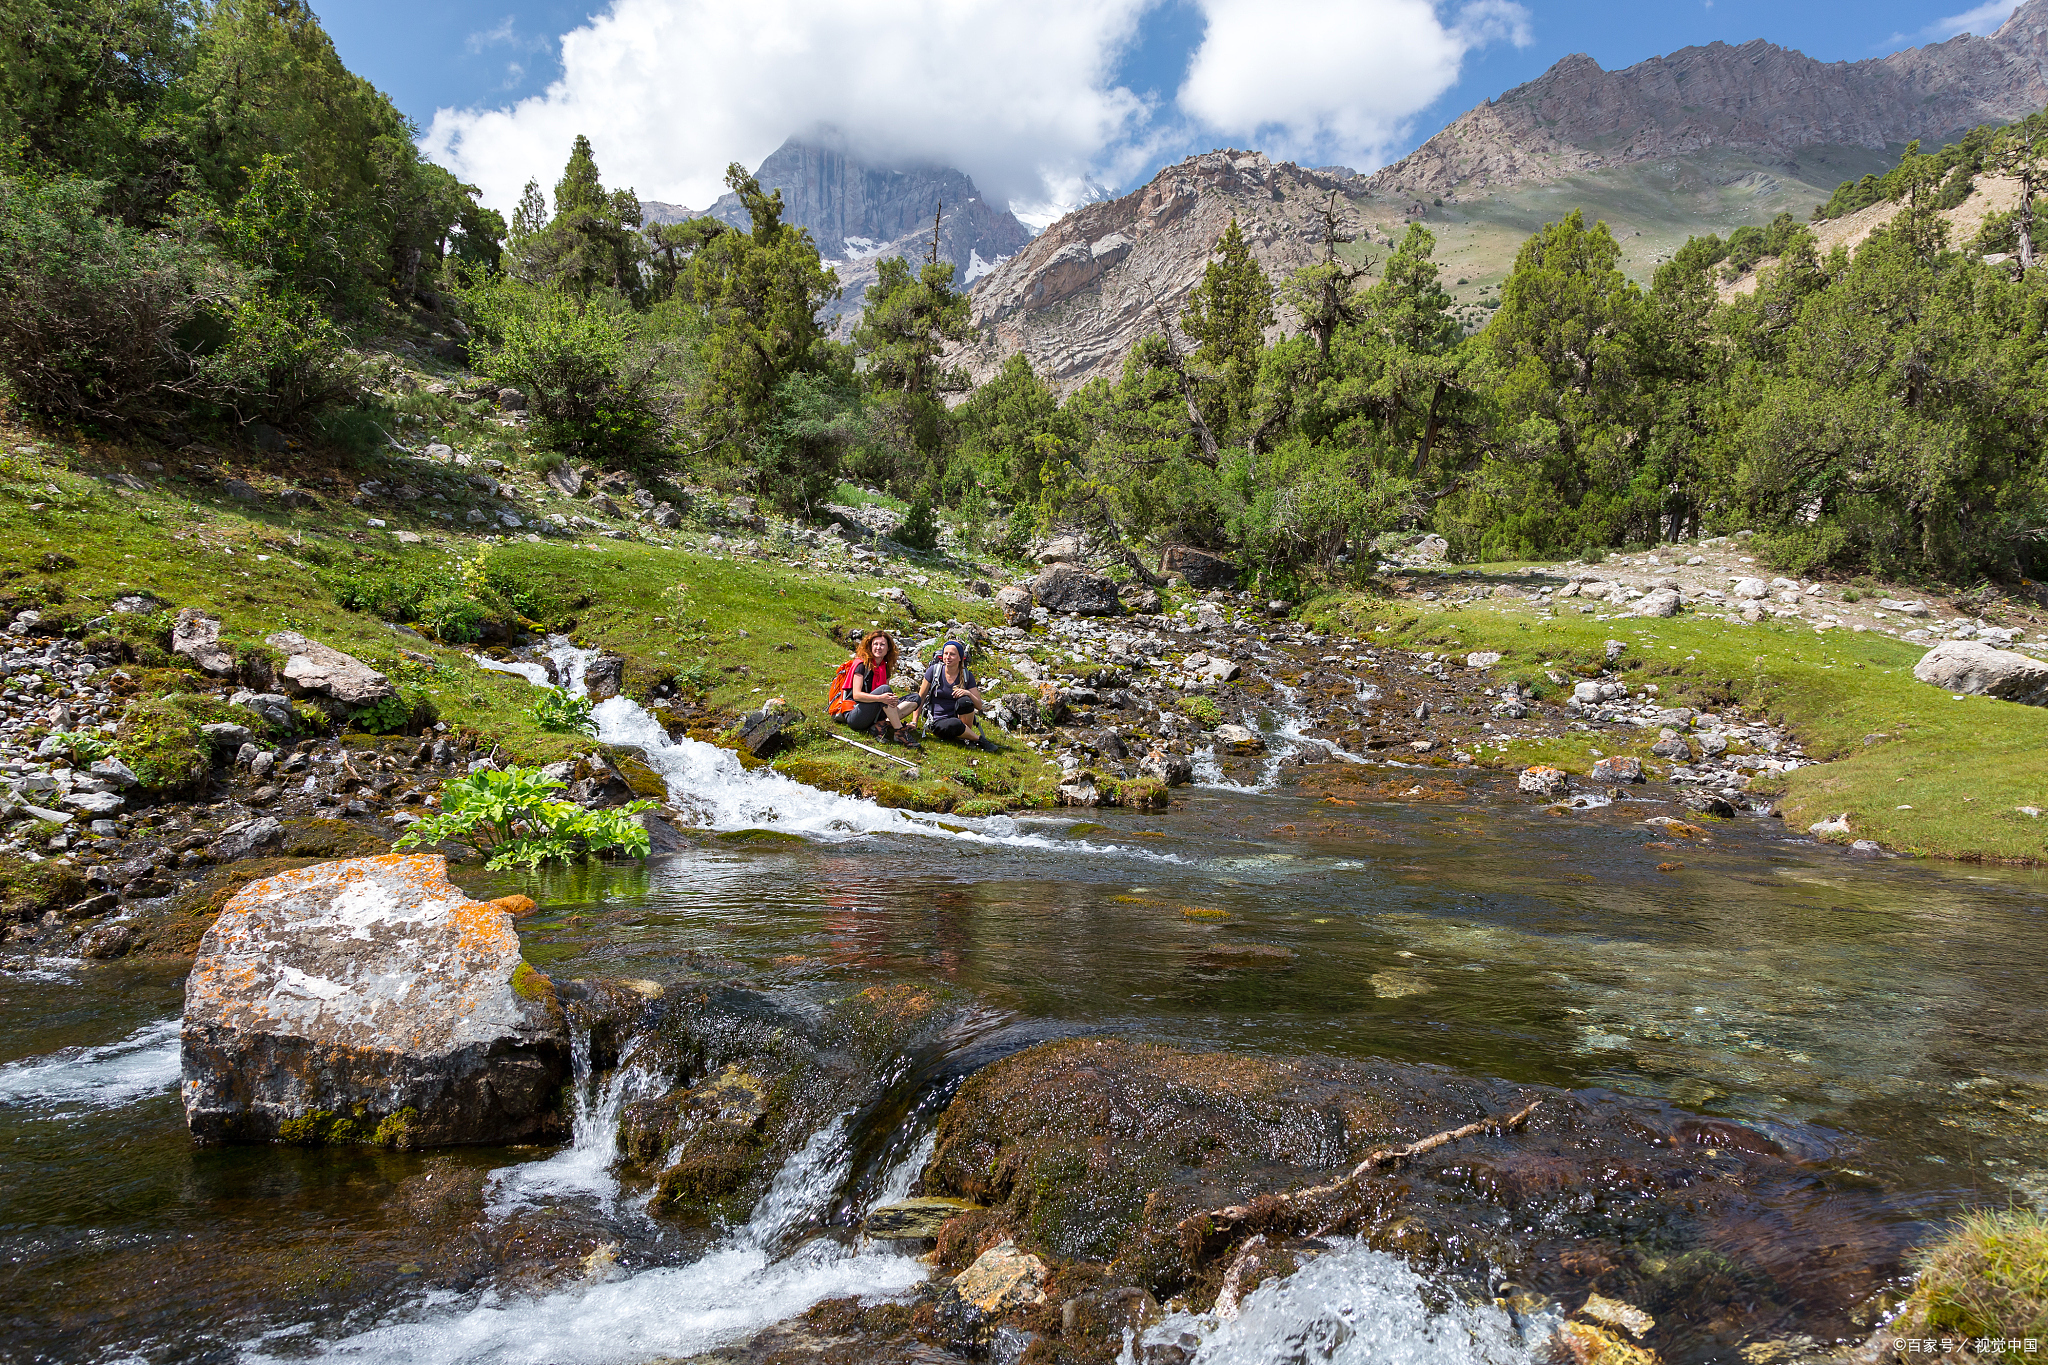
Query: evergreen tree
(760,291)
(1227,317)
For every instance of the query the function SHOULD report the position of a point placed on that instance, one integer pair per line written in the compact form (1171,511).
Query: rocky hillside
(861,213)
(1095,282)
(1758,98)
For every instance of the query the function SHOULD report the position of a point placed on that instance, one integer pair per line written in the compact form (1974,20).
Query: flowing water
(1882,1019)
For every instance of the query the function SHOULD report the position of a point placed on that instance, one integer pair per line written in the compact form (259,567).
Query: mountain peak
(1758,98)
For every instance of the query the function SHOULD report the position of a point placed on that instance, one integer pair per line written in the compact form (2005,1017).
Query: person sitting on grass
(952,699)
(864,698)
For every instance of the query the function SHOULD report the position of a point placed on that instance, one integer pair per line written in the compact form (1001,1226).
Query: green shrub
(98,321)
(383,717)
(163,746)
(513,814)
(280,361)
(589,390)
(1202,709)
(920,530)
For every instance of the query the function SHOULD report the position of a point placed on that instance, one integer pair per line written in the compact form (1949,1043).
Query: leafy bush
(562,711)
(590,391)
(84,746)
(513,814)
(281,360)
(383,717)
(97,320)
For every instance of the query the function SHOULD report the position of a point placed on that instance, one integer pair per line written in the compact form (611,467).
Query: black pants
(864,715)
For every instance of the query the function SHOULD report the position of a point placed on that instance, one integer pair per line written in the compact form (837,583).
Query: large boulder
(1063,587)
(196,637)
(1198,568)
(1015,602)
(1980,669)
(312,669)
(370,1001)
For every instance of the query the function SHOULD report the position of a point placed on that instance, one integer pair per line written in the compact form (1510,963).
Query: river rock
(604,677)
(224,734)
(274,707)
(1015,603)
(370,1000)
(312,669)
(1212,668)
(1002,1278)
(1080,790)
(1544,781)
(914,1218)
(106,941)
(1197,568)
(1175,770)
(1974,667)
(1063,587)
(1139,598)
(114,771)
(247,837)
(196,636)
(1617,769)
(762,732)
(1239,737)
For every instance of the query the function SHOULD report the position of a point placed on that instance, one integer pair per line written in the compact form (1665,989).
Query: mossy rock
(360,1127)
(176,931)
(718,1160)
(331,839)
(646,783)
(164,746)
(29,890)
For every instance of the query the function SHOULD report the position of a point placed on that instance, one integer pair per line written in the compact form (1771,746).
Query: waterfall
(734,1290)
(709,784)
(1356,1306)
(584,1166)
(1284,737)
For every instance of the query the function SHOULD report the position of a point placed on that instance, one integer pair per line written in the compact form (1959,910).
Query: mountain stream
(1883,1020)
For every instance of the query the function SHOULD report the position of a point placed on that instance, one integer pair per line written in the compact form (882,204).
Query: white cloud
(1019,96)
(1982,21)
(1334,78)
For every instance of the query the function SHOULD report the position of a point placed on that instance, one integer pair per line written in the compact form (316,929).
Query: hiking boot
(986,745)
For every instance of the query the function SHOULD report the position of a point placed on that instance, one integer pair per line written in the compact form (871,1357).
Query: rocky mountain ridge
(1758,97)
(1097,281)
(860,214)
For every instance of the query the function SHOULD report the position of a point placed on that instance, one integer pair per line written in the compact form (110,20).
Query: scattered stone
(1139,598)
(316,670)
(1978,669)
(1482,658)
(1833,825)
(511,400)
(1015,603)
(1751,589)
(1544,781)
(1197,568)
(196,636)
(763,732)
(1661,602)
(370,1001)
(566,480)
(222,734)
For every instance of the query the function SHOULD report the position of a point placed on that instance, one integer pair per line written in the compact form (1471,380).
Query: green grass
(1914,769)
(1986,1277)
(730,631)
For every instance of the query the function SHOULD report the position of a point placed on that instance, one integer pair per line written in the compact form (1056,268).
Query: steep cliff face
(860,213)
(1757,98)
(1094,283)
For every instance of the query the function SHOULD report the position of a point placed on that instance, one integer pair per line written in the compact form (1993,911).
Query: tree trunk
(2026,223)
(1429,428)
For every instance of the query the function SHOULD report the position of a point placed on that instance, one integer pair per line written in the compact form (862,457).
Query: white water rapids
(105,1077)
(709,783)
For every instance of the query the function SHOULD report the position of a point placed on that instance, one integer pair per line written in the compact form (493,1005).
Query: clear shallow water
(1883,1018)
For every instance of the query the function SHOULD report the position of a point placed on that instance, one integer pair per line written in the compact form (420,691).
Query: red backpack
(837,702)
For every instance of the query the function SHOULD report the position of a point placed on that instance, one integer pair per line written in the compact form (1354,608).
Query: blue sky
(672,89)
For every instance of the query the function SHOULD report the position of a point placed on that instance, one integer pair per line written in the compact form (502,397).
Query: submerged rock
(370,1000)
